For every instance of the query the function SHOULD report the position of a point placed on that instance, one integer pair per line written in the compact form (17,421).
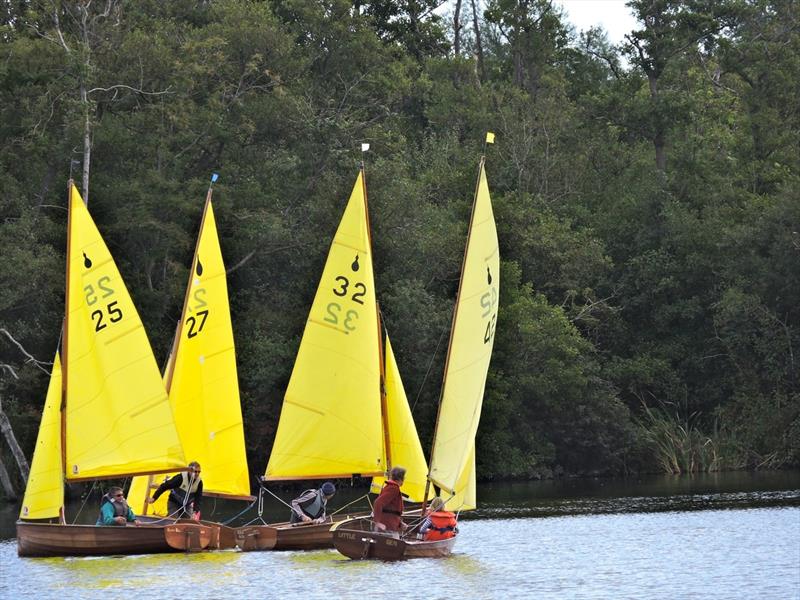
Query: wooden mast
(381,350)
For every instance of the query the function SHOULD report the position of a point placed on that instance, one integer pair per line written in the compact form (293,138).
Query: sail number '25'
(102,291)
(196,323)
(489,306)
(343,289)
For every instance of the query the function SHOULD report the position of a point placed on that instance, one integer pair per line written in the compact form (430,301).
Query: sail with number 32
(336,421)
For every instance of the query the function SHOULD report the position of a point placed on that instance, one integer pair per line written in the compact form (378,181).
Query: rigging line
(430,365)
(94,482)
(252,504)
(351,503)
(289,506)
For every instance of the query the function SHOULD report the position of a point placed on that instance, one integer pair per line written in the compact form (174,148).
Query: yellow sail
(464,497)
(471,341)
(143,487)
(404,446)
(330,424)
(44,494)
(204,387)
(118,417)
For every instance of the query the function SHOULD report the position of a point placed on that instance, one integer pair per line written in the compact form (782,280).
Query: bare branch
(36,362)
(127,87)
(10,370)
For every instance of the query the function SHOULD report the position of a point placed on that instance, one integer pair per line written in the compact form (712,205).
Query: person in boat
(438,524)
(186,493)
(310,506)
(114,509)
(387,512)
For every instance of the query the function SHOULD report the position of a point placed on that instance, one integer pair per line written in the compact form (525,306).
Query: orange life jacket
(443,526)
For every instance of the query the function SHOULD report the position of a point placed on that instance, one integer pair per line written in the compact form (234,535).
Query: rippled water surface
(708,538)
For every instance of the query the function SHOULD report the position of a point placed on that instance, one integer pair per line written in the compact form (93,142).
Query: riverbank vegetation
(646,196)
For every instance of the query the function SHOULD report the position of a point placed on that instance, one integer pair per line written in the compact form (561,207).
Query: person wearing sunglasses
(186,493)
(114,509)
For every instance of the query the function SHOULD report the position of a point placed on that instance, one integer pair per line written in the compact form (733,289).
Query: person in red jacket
(387,513)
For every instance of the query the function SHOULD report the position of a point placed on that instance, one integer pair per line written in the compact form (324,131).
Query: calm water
(732,536)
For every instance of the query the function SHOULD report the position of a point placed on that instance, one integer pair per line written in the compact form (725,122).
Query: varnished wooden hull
(286,536)
(356,541)
(46,539)
(222,536)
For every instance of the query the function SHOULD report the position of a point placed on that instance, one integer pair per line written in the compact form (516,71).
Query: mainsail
(330,425)
(332,422)
(118,421)
(471,341)
(44,494)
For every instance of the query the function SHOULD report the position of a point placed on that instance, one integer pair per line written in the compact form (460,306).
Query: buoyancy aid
(120,508)
(314,507)
(443,526)
(189,485)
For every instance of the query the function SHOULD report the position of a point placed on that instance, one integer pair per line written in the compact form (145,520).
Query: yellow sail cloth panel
(471,341)
(141,488)
(330,423)
(203,385)
(405,449)
(464,497)
(118,417)
(44,494)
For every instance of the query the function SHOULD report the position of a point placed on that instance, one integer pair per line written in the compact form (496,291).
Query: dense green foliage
(646,198)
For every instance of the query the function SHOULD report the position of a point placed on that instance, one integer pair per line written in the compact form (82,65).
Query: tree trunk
(478,46)
(87,144)
(457,29)
(5,481)
(19,456)
(661,151)
(659,139)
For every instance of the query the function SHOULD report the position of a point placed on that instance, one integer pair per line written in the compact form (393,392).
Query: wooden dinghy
(345,413)
(107,416)
(46,539)
(356,540)
(452,466)
(203,387)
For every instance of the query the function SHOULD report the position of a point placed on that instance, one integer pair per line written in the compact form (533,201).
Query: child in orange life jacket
(439,524)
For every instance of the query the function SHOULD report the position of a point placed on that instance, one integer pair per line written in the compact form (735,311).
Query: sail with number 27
(202,381)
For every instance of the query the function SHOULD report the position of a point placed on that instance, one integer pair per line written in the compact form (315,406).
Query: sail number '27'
(192,321)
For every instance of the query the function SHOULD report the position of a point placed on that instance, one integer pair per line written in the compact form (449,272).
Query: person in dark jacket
(310,506)
(114,509)
(186,493)
(387,513)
